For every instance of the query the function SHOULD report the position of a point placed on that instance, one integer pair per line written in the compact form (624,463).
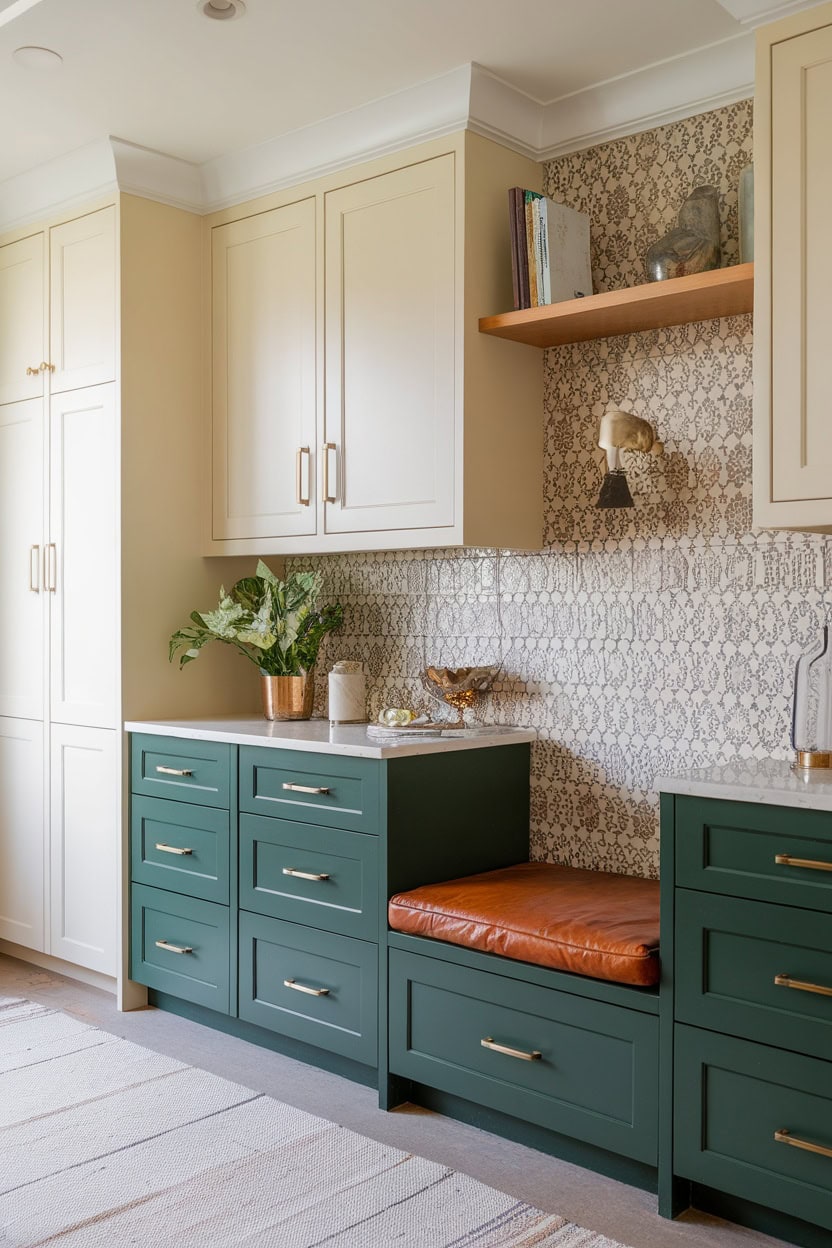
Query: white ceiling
(159,74)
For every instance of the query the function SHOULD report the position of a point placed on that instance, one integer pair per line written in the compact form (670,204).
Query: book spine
(522,254)
(533,299)
(515,258)
(544,251)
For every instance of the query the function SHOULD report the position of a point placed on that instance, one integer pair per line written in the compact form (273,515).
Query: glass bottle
(812,709)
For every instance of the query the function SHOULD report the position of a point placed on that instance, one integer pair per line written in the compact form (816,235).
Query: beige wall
(656,639)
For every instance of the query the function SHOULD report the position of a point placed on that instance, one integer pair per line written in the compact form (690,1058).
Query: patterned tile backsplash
(639,641)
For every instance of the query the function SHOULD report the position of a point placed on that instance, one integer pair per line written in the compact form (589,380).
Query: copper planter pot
(288,697)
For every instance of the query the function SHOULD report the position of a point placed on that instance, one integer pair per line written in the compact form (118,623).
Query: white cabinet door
(390,365)
(82,266)
(22,526)
(82,558)
(264,374)
(84,846)
(22,319)
(22,832)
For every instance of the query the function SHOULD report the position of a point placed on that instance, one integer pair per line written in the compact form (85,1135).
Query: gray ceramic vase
(692,246)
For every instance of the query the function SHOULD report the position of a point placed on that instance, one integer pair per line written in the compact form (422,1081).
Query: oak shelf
(655,305)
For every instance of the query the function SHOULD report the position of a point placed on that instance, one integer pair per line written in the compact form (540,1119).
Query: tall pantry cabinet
(58,608)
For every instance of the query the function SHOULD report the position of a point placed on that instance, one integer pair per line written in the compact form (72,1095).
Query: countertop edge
(808,797)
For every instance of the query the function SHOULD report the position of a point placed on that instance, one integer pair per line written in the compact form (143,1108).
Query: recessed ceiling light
(42,59)
(222,10)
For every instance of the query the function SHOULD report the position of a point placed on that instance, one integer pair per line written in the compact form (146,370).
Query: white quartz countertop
(317,737)
(771,782)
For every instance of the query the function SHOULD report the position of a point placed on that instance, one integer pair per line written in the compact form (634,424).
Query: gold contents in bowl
(459,687)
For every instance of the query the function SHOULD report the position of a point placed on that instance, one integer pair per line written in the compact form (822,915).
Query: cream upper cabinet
(793,274)
(22,319)
(389,434)
(344,320)
(264,375)
(82,301)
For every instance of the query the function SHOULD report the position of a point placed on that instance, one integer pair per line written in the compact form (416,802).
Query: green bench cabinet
(746,1117)
(260,878)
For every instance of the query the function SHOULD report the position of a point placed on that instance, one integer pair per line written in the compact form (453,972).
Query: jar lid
(348,667)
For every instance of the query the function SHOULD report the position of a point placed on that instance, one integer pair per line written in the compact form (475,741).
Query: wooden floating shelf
(678,301)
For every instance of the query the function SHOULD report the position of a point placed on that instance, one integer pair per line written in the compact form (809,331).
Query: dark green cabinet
(181,847)
(181,946)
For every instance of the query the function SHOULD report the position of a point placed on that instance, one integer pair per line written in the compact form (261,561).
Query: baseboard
(46,962)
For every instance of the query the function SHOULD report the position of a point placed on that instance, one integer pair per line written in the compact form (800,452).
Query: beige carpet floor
(105,1144)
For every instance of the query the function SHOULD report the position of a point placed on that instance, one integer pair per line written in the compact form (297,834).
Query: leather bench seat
(588,922)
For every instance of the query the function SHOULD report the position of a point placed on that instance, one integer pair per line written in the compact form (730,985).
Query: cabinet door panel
(22,318)
(84,831)
(23,597)
(264,374)
(22,832)
(82,302)
(801,266)
(390,323)
(84,612)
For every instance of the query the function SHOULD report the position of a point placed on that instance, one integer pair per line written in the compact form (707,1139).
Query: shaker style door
(264,375)
(81,558)
(22,552)
(22,832)
(390,366)
(82,302)
(22,319)
(801,269)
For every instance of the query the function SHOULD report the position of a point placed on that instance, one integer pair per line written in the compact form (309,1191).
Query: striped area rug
(104,1144)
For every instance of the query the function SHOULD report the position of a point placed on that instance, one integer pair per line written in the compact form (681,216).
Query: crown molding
(153,175)
(753,13)
(58,185)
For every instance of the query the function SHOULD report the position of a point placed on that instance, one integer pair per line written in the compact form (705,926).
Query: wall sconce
(621,431)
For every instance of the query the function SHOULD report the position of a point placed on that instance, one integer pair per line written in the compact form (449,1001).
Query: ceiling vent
(222,10)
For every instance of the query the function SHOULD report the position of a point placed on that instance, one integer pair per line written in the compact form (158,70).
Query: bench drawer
(184,771)
(181,946)
(730,952)
(731,1098)
(734,847)
(332,994)
(323,877)
(330,790)
(180,847)
(595,1073)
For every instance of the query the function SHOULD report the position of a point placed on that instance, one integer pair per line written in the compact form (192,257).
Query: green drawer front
(731,1097)
(184,771)
(202,975)
(344,901)
(731,848)
(596,1078)
(334,791)
(181,848)
(343,1019)
(728,953)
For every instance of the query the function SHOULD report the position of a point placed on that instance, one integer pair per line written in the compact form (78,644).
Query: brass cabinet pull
(33,372)
(163,944)
(305,875)
(46,368)
(303,788)
(312,992)
(174,771)
(50,567)
(785,1137)
(303,495)
(786,860)
(34,569)
(329,497)
(786,981)
(172,849)
(534,1056)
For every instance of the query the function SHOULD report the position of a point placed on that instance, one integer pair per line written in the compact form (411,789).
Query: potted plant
(273,623)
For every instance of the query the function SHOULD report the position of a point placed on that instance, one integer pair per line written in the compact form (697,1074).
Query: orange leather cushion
(589,922)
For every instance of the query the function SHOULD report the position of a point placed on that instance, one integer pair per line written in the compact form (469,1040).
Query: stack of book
(549,250)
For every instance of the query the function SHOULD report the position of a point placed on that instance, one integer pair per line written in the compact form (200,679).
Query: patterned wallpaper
(639,641)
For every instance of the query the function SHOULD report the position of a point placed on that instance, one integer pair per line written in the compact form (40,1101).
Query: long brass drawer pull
(786,1137)
(305,875)
(786,860)
(172,849)
(311,992)
(163,944)
(303,788)
(302,479)
(786,981)
(174,771)
(534,1056)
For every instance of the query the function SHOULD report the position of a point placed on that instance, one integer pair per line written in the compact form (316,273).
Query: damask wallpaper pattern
(639,641)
